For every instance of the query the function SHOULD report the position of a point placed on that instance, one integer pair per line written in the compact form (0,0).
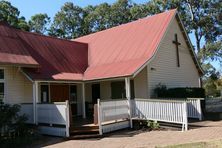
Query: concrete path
(211,130)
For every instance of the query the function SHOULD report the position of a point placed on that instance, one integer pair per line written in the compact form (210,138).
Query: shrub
(161,91)
(153,125)
(12,126)
(146,124)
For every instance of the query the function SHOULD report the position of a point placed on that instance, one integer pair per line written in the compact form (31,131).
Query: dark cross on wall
(177,43)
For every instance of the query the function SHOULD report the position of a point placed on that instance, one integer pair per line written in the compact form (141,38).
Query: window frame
(40,98)
(4,82)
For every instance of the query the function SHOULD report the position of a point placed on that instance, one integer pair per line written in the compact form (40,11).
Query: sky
(29,8)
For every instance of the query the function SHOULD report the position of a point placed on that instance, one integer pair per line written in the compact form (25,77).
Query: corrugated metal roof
(122,50)
(12,49)
(116,52)
(57,59)
(113,70)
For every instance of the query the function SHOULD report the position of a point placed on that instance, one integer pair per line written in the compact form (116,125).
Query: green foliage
(212,51)
(72,21)
(161,91)
(201,18)
(39,22)
(99,18)
(146,124)
(153,125)
(213,85)
(67,22)
(120,12)
(12,125)
(10,14)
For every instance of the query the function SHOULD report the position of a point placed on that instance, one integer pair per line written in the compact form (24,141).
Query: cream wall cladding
(163,68)
(140,84)
(18,89)
(105,90)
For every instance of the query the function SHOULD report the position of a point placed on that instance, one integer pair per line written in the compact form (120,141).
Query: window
(44,93)
(2,76)
(2,84)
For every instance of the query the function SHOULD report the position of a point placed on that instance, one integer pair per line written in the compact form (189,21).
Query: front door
(59,92)
(95,93)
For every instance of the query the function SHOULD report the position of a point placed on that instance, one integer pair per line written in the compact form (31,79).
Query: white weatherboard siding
(140,84)
(18,88)
(165,63)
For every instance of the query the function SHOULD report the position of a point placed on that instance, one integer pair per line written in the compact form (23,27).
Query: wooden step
(83,127)
(84,130)
(171,126)
(85,136)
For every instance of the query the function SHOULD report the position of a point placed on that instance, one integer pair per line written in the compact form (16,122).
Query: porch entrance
(60,93)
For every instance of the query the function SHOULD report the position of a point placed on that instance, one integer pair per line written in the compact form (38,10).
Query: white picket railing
(161,110)
(194,108)
(51,114)
(54,114)
(27,110)
(111,113)
(114,110)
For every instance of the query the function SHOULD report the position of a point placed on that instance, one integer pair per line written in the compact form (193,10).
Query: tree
(138,11)
(10,14)
(67,22)
(39,23)
(87,24)
(99,18)
(213,85)
(203,19)
(120,12)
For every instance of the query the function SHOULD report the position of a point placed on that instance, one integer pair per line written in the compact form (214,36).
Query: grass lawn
(209,144)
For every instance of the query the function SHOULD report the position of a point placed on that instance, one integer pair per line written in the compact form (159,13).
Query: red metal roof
(116,52)
(57,59)
(12,49)
(112,70)
(122,50)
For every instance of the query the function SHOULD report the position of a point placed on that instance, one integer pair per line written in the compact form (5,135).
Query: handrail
(195,98)
(159,100)
(169,99)
(108,100)
(56,103)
